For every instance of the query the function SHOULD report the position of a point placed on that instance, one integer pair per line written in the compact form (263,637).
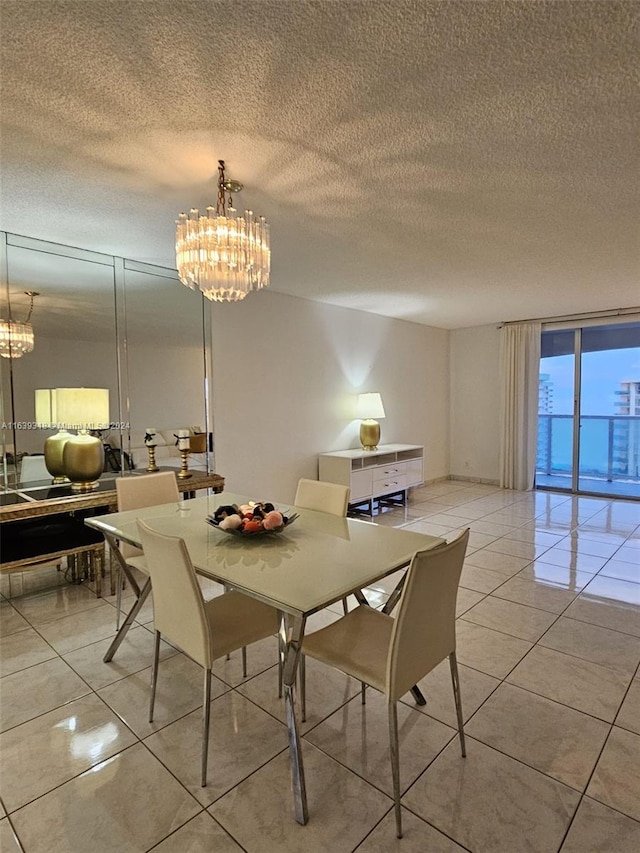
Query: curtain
(519,369)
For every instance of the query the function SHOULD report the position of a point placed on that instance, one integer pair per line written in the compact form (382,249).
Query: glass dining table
(315,561)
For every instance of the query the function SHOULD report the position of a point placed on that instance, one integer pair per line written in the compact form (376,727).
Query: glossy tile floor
(549,646)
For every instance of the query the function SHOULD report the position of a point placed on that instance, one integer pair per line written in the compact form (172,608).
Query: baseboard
(482,480)
(446,479)
(433,482)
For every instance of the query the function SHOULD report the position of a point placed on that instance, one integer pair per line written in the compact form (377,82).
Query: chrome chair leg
(119,581)
(244,661)
(118,597)
(227,588)
(345,606)
(112,572)
(302,673)
(453,663)
(395,764)
(206,714)
(154,673)
(281,654)
(363,693)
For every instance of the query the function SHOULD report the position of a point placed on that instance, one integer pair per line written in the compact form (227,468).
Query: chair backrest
(178,606)
(135,492)
(424,631)
(33,468)
(325,497)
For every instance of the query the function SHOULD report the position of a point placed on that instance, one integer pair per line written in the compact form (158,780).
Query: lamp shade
(82,408)
(46,417)
(369,406)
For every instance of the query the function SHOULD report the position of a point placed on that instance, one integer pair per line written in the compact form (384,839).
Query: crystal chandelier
(225,255)
(16,336)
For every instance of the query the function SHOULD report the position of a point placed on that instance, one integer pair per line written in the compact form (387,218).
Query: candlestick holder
(184,465)
(151,467)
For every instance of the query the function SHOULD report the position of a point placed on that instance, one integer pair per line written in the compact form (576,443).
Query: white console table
(373,474)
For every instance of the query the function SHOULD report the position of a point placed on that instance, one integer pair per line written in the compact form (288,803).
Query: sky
(602,373)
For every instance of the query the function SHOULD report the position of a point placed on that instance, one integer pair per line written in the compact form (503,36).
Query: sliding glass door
(589,410)
(556,403)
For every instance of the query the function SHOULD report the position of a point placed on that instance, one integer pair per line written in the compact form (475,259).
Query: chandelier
(16,336)
(225,255)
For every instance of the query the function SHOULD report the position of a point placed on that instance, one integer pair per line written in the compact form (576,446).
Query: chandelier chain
(31,294)
(221,205)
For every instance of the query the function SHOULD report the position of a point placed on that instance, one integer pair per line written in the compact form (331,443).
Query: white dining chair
(137,492)
(204,630)
(392,654)
(323,497)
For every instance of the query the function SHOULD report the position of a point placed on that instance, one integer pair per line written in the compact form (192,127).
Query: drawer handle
(392,471)
(391,484)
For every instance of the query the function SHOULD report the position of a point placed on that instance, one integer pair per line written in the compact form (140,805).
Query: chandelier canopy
(16,336)
(225,255)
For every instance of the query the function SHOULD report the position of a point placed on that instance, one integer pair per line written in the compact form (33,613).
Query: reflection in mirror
(6,434)
(105,322)
(165,365)
(74,330)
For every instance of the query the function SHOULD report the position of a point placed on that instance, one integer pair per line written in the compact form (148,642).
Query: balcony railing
(609,446)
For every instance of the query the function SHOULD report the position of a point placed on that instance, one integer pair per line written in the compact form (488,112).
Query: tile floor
(549,647)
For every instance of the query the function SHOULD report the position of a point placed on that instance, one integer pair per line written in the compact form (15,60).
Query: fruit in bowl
(250,519)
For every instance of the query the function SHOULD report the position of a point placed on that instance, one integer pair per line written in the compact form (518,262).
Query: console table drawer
(389,478)
(386,472)
(389,485)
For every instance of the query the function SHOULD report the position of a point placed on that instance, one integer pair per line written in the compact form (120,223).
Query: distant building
(628,401)
(626,430)
(545,407)
(545,394)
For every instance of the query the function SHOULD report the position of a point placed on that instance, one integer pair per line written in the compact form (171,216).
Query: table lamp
(368,408)
(83,409)
(46,418)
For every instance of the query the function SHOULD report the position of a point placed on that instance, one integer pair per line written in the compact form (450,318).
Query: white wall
(286,372)
(475,398)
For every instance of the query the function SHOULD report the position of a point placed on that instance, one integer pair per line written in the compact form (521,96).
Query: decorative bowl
(249,520)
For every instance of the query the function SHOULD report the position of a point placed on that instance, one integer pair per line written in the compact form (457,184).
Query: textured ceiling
(452,163)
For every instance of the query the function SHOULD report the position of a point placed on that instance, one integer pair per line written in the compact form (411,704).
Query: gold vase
(369,434)
(54,454)
(83,459)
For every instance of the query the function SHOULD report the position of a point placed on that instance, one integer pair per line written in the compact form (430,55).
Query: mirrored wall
(104,322)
